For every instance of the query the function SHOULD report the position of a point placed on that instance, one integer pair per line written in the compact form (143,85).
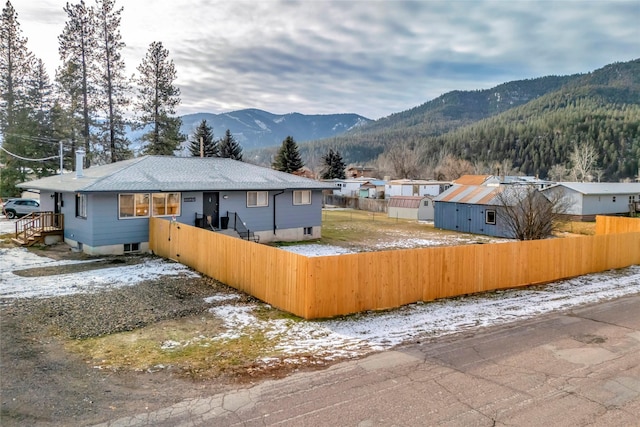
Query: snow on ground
(363,333)
(7,225)
(15,286)
(340,338)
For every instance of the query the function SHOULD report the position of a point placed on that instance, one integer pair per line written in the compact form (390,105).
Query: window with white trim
(81,205)
(490,216)
(302,197)
(257,199)
(165,204)
(143,205)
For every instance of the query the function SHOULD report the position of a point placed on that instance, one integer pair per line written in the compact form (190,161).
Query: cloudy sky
(368,57)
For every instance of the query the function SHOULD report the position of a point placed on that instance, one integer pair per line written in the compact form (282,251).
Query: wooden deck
(35,227)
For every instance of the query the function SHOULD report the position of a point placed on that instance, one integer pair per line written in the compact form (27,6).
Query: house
(588,199)
(360,171)
(107,208)
(349,187)
(373,189)
(411,207)
(415,187)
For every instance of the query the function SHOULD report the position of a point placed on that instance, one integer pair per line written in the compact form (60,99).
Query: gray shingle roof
(160,173)
(602,187)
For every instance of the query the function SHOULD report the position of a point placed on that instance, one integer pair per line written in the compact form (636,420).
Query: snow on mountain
(255,128)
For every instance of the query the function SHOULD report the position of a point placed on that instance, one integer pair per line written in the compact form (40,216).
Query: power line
(26,159)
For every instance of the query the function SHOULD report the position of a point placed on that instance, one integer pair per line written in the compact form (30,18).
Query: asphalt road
(577,368)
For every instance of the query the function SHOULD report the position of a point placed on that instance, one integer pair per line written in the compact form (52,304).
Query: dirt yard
(88,357)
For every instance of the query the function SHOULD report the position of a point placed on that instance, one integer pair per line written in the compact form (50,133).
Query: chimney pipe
(79,162)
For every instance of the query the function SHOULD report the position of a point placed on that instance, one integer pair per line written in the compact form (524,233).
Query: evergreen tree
(229,147)
(112,85)
(77,47)
(39,103)
(157,99)
(203,137)
(333,166)
(288,157)
(17,66)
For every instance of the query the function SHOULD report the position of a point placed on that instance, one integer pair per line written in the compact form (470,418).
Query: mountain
(255,129)
(533,123)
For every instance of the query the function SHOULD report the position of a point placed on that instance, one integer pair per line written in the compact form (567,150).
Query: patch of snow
(261,125)
(14,286)
(314,249)
(222,297)
(374,331)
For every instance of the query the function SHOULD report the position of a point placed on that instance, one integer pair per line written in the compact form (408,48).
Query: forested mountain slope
(533,123)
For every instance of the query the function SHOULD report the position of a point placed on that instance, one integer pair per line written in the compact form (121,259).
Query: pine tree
(157,100)
(333,166)
(17,66)
(203,137)
(112,85)
(288,157)
(77,46)
(229,147)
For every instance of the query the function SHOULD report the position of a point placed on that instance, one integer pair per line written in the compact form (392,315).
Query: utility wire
(24,158)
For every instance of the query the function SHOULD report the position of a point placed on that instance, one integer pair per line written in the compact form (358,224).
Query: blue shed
(471,209)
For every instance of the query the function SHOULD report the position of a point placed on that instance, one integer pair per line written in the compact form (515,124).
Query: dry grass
(189,346)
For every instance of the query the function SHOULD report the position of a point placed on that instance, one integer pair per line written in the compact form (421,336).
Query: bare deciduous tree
(527,213)
(558,173)
(404,160)
(450,168)
(584,158)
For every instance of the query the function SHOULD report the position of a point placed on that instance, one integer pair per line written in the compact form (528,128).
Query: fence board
(335,285)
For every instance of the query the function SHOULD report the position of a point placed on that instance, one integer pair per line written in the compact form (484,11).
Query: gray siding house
(588,199)
(107,208)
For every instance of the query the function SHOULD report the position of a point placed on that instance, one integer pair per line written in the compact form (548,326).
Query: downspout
(274,210)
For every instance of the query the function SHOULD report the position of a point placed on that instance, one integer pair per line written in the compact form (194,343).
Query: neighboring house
(411,207)
(107,208)
(373,189)
(347,187)
(588,199)
(414,187)
(360,171)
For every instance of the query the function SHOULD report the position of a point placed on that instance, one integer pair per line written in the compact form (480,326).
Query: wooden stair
(35,227)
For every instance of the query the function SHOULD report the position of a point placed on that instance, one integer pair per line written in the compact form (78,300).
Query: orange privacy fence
(329,286)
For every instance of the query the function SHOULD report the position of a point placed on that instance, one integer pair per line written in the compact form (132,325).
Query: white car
(14,208)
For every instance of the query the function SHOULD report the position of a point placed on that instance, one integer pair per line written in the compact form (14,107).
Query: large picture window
(257,198)
(302,197)
(142,205)
(165,204)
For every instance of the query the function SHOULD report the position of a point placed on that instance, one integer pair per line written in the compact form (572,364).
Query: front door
(211,208)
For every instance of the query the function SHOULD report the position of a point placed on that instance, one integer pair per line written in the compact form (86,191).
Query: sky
(368,57)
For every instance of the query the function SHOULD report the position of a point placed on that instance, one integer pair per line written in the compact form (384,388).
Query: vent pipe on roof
(79,162)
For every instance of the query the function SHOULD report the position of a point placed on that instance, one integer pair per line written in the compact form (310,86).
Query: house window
(302,197)
(490,216)
(138,205)
(308,231)
(165,204)
(133,205)
(131,247)
(81,205)
(257,198)
(425,203)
